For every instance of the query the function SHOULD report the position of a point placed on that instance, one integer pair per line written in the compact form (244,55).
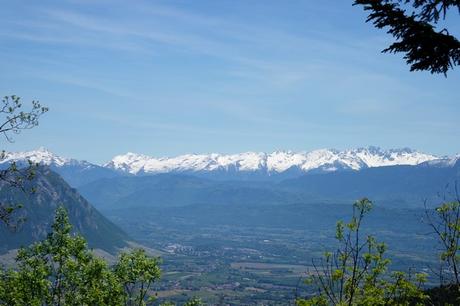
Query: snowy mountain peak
(41,156)
(129,162)
(276,162)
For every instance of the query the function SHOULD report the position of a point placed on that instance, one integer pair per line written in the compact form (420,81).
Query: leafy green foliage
(191,302)
(137,272)
(61,270)
(194,302)
(356,274)
(425,47)
(445,222)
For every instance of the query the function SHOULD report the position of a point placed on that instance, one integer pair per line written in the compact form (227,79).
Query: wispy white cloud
(266,54)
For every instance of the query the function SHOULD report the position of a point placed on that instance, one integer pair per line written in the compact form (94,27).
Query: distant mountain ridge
(327,160)
(282,164)
(75,172)
(402,186)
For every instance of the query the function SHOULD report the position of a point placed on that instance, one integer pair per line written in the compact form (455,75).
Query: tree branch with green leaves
(357,272)
(444,220)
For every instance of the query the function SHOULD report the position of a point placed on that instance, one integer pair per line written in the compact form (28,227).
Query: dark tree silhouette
(414,25)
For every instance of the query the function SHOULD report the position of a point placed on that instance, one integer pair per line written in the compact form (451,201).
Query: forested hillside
(38,206)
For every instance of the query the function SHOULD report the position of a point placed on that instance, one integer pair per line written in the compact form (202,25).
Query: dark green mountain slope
(400,186)
(167,190)
(39,207)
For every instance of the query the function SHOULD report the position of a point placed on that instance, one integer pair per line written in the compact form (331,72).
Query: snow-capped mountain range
(326,160)
(249,165)
(276,162)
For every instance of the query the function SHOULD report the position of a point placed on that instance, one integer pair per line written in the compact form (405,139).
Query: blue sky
(171,77)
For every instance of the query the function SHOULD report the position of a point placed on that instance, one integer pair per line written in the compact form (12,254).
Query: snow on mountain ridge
(278,161)
(269,163)
(444,161)
(41,156)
